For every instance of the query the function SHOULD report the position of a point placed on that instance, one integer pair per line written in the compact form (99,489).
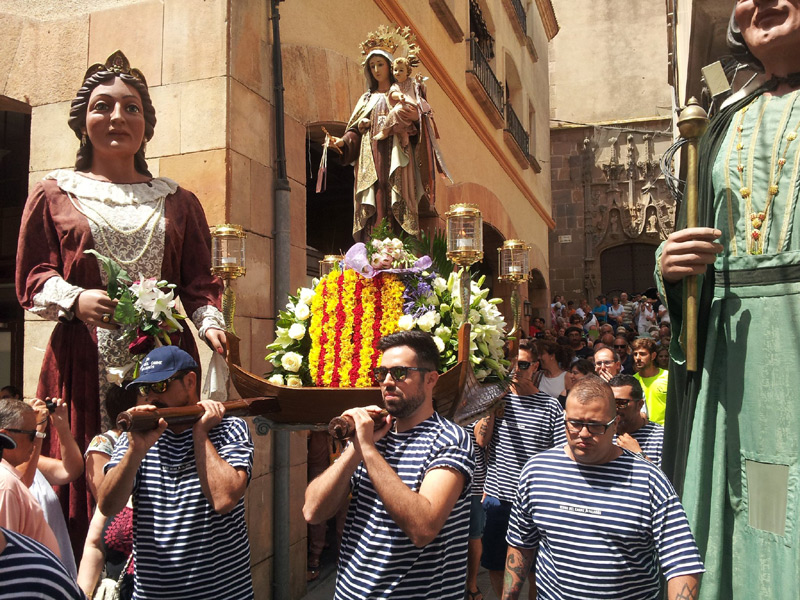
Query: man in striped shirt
(187,483)
(602,519)
(531,422)
(634,431)
(405,536)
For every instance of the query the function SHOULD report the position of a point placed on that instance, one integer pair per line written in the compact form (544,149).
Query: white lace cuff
(207,317)
(56,300)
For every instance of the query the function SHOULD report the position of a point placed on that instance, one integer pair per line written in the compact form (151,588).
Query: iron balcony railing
(521,17)
(484,73)
(515,128)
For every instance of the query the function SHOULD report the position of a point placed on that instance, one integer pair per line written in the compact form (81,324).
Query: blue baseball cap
(162,363)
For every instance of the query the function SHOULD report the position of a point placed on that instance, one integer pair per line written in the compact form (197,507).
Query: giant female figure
(112,204)
(731,438)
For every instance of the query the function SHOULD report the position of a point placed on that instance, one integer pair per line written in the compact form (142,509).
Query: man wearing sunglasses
(531,422)
(634,431)
(603,520)
(19,510)
(187,483)
(405,536)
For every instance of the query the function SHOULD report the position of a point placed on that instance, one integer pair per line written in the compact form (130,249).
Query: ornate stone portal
(615,174)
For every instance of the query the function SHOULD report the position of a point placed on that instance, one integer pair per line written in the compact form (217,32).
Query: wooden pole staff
(344,427)
(186,415)
(692,124)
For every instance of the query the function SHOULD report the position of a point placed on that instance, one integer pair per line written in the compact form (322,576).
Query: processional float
(458,394)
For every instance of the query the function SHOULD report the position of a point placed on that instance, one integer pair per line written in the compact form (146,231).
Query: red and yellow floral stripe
(329,330)
(347,318)
(350,315)
(318,316)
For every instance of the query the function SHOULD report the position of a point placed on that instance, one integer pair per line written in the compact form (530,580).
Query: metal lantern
(464,245)
(464,234)
(228,262)
(329,264)
(513,261)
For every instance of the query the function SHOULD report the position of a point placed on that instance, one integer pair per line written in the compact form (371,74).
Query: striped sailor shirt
(602,530)
(651,440)
(377,560)
(182,547)
(529,425)
(30,570)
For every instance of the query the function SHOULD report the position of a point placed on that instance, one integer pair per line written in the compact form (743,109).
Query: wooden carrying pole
(186,415)
(692,124)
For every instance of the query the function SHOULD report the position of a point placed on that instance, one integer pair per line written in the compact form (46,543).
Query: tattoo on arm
(687,592)
(518,565)
(484,427)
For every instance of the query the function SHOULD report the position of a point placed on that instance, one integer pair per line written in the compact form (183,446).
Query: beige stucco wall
(608,62)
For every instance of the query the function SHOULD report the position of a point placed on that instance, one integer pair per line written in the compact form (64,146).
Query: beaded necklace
(757,219)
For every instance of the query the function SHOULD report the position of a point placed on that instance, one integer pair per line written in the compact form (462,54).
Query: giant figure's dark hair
(77,117)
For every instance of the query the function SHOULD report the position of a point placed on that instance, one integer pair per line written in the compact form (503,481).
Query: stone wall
(608,191)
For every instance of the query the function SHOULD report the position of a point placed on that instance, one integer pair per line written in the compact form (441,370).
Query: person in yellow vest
(653,379)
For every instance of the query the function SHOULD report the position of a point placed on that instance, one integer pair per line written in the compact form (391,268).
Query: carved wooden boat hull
(458,395)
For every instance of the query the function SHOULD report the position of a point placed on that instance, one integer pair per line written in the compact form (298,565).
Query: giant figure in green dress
(732,441)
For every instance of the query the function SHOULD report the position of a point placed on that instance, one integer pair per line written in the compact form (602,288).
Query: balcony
(516,137)
(520,13)
(519,23)
(484,85)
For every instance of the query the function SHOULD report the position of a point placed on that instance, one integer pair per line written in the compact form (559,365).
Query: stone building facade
(611,110)
(612,207)
(209,67)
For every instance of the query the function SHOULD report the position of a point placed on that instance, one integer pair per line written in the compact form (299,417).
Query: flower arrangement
(433,304)
(145,309)
(290,350)
(328,335)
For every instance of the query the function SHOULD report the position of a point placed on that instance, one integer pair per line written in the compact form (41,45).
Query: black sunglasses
(623,402)
(594,428)
(31,433)
(621,346)
(397,373)
(159,387)
(523,365)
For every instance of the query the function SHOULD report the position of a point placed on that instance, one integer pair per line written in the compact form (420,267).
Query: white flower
(439,343)
(116,375)
(301,311)
(429,320)
(292,361)
(276,379)
(297,331)
(294,381)
(282,338)
(306,295)
(439,285)
(443,332)
(406,322)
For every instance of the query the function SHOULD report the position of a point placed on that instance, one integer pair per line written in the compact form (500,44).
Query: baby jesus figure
(400,96)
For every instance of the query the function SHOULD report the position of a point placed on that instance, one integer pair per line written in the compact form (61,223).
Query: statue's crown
(116,63)
(396,42)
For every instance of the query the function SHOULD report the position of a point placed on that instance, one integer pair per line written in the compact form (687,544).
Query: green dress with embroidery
(740,486)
